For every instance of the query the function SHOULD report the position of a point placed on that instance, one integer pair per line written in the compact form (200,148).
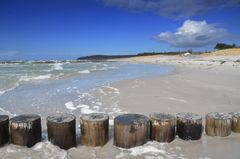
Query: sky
(68,29)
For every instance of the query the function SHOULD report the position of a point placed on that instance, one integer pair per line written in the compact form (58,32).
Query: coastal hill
(107,57)
(223,52)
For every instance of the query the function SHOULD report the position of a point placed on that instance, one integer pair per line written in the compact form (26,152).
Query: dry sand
(198,86)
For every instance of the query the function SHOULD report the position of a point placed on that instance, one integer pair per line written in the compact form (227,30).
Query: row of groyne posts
(130,130)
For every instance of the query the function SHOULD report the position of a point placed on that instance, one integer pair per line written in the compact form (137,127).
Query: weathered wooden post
(26,129)
(189,126)
(210,124)
(163,127)
(62,130)
(236,122)
(218,124)
(4,130)
(94,129)
(131,130)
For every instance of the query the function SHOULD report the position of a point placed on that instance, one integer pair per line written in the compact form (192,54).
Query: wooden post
(163,127)
(189,126)
(236,122)
(131,130)
(26,130)
(210,124)
(94,129)
(218,124)
(4,130)
(62,130)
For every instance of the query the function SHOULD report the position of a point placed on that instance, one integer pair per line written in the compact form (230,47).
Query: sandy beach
(198,84)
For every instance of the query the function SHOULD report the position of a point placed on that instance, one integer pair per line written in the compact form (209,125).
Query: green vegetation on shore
(221,46)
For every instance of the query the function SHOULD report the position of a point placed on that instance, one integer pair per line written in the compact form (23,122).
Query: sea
(48,87)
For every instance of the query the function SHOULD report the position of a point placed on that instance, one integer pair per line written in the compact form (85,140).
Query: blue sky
(67,29)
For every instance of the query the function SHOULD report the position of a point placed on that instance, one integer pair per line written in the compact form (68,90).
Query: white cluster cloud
(176,9)
(193,34)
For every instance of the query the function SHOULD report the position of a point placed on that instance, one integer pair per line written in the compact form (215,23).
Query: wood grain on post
(62,130)
(163,127)
(218,124)
(4,130)
(94,129)
(210,124)
(236,122)
(189,126)
(26,130)
(131,130)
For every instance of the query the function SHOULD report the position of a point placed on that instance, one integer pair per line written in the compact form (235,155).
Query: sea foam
(41,150)
(29,78)
(87,111)
(57,66)
(115,90)
(41,77)
(69,105)
(84,72)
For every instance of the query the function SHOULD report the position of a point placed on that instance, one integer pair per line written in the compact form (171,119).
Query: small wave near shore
(13,75)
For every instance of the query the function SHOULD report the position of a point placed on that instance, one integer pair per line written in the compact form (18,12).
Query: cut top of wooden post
(189,117)
(236,114)
(3,118)
(131,119)
(94,117)
(24,121)
(162,117)
(61,118)
(220,116)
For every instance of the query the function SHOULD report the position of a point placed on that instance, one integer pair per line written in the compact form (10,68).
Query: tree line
(221,46)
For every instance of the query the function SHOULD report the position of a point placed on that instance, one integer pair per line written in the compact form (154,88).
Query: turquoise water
(13,75)
(46,88)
